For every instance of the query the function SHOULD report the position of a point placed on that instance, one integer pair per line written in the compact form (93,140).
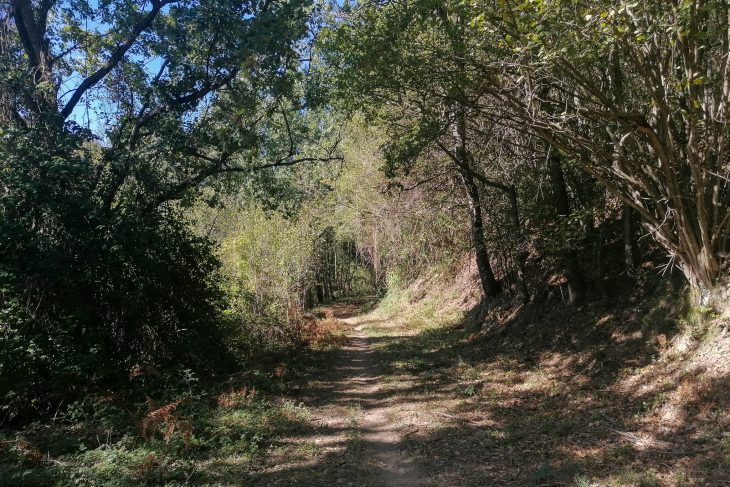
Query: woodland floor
(425,400)
(416,404)
(360,417)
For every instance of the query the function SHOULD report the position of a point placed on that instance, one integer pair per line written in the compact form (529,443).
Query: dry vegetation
(186,237)
(553,395)
(541,395)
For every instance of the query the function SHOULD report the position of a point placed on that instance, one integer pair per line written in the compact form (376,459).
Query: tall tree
(643,98)
(115,117)
(404,64)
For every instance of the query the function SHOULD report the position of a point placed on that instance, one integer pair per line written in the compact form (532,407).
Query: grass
(235,434)
(557,397)
(638,479)
(568,397)
(211,434)
(354,433)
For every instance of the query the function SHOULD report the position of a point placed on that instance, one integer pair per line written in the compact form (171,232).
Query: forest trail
(419,399)
(358,428)
(359,384)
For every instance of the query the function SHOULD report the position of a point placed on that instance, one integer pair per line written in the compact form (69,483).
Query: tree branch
(115,57)
(479,176)
(193,96)
(29,31)
(218,166)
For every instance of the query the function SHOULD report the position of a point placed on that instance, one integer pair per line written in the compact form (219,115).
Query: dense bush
(278,263)
(88,293)
(101,273)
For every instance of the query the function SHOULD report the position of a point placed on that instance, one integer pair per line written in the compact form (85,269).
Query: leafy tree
(99,269)
(637,93)
(403,64)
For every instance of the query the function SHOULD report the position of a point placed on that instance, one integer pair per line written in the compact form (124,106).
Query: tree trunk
(490,286)
(521,254)
(6,102)
(462,160)
(631,251)
(576,282)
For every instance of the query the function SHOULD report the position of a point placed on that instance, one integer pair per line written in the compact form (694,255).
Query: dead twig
(410,433)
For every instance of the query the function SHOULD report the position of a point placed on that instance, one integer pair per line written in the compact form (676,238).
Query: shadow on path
(354,436)
(527,406)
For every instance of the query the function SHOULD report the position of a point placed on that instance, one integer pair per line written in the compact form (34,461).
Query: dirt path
(382,450)
(356,438)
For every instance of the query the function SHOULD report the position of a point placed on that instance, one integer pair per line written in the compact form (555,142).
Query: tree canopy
(196,171)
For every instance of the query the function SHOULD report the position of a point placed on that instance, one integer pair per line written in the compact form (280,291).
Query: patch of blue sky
(95,111)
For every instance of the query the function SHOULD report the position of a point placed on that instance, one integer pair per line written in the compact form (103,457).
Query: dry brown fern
(144,370)
(235,397)
(324,331)
(279,371)
(164,421)
(30,455)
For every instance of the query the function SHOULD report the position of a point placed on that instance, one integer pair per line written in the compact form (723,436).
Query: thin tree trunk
(520,254)
(617,82)
(576,282)
(631,251)
(490,286)
(461,157)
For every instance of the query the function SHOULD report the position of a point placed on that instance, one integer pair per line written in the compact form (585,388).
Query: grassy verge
(198,434)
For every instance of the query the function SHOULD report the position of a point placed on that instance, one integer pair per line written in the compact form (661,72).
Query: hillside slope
(550,394)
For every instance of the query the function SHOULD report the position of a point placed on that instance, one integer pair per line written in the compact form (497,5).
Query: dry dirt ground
(415,393)
(356,439)
(418,404)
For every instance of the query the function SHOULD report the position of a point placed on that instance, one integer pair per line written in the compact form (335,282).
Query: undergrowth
(182,434)
(627,393)
(165,444)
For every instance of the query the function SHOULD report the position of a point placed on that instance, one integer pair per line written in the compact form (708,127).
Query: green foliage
(397,230)
(639,479)
(235,431)
(610,85)
(267,268)
(182,232)
(100,272)
(86,295)
(268,258)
